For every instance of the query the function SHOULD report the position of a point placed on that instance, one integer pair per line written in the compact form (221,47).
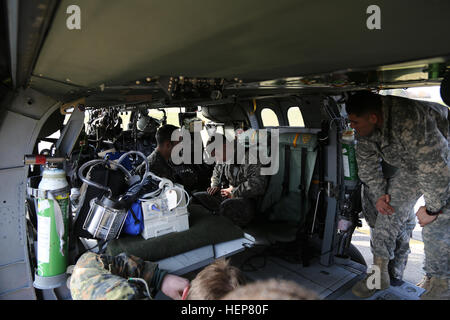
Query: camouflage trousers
(239,210)
(390,235)
(436,240)
(103,277)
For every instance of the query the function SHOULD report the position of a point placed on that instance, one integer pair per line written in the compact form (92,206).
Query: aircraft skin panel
(15,137)
(18,134)
(14,264)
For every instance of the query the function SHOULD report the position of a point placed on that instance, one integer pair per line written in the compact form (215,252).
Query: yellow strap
(295,139)
(73,104)
(254,107)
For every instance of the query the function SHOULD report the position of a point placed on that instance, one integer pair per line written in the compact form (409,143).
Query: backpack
(134,222)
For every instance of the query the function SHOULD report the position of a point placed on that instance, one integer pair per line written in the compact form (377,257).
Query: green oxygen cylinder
(349,155)
(53,224)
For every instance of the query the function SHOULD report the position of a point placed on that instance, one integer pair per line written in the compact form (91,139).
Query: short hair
(271,289)
(215,281)
(164,133)
(363,103)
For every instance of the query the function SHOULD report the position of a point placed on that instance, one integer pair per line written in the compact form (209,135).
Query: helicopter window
(172,115)
(269,118)
(295,117)
(125,119)
(47,145)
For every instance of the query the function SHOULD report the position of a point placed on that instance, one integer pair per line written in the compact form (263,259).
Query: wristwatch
(433,213)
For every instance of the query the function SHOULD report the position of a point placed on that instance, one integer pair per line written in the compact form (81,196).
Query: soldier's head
(219,148)
(164,139)
(364,112)
(271,289)
(215,281)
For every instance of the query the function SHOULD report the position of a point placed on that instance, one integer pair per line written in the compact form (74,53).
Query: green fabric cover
(290,207)
(204,229)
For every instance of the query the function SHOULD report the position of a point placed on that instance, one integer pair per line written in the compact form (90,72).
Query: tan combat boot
(424,283)
(361,289)
(438,290)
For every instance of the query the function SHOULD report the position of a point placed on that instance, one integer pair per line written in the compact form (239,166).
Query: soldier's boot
(361,289)
(424,283)
(438,290)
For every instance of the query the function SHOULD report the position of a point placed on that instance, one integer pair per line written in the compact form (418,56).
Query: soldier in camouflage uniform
(413,137)
(103,277)
(397,264)
(245,184)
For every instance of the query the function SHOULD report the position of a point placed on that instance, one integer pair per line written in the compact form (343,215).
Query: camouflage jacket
(246,179)
(413,137)
(103,277)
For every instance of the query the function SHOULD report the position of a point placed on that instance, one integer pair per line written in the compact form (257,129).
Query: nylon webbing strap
(287,165)
(295,140)
(43,194)
(302,185)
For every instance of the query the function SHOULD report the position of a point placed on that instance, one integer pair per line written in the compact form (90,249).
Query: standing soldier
(397,265)
(413,137)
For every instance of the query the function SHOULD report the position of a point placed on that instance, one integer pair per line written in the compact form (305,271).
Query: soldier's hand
(383,206)
(226,192)
(423,217)
(212,190)
(173,286)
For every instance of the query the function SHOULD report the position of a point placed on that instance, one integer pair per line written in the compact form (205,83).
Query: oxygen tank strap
(43,194)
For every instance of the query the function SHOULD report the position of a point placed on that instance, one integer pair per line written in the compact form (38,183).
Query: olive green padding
(204,229)
(290,206)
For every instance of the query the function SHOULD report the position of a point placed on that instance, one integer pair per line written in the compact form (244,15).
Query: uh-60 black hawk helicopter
(81,80)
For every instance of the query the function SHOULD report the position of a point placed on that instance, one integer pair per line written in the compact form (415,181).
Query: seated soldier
(160,162)
(245,183)
(215,281)
(122,277)
(159,159)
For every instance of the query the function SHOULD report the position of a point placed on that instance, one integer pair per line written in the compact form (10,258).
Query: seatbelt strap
(287,165)
(302,185)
